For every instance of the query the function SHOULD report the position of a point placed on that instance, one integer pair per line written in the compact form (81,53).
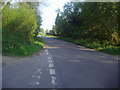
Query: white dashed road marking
(53,80)
(36,77)
(51,69)
(46,51)
(51,65)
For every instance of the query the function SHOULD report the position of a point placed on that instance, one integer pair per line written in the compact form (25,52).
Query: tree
(19,26)
(95,20)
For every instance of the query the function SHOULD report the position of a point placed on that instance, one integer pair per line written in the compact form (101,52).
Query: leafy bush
(19,25)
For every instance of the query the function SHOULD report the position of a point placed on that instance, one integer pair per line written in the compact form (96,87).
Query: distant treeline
(96,20)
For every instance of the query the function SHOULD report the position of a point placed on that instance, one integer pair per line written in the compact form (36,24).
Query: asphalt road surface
(62,65)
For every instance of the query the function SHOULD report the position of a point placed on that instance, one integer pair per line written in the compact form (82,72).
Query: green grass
(95,44)
(111,50)
(51,36)
(24,49)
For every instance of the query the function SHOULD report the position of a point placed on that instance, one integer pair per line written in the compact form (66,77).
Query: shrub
(19,24)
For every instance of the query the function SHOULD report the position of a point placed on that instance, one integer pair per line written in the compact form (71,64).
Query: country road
(61,65)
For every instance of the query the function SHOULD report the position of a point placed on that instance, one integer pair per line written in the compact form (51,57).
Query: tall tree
(96,20)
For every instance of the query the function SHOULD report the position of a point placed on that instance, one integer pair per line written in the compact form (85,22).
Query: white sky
(49,13)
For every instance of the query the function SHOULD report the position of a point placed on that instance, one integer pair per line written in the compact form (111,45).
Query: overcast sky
(49,13)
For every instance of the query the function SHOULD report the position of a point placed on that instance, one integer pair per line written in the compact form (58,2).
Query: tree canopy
(97,20)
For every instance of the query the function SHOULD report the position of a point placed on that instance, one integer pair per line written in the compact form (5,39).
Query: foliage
(95,44)
(19,30)
(24,49)
(19,24)
(95,20)
(42,32)
(53,31)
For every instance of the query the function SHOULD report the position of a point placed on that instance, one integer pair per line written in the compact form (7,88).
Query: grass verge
(95,44)
(24,49)
(51,36)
